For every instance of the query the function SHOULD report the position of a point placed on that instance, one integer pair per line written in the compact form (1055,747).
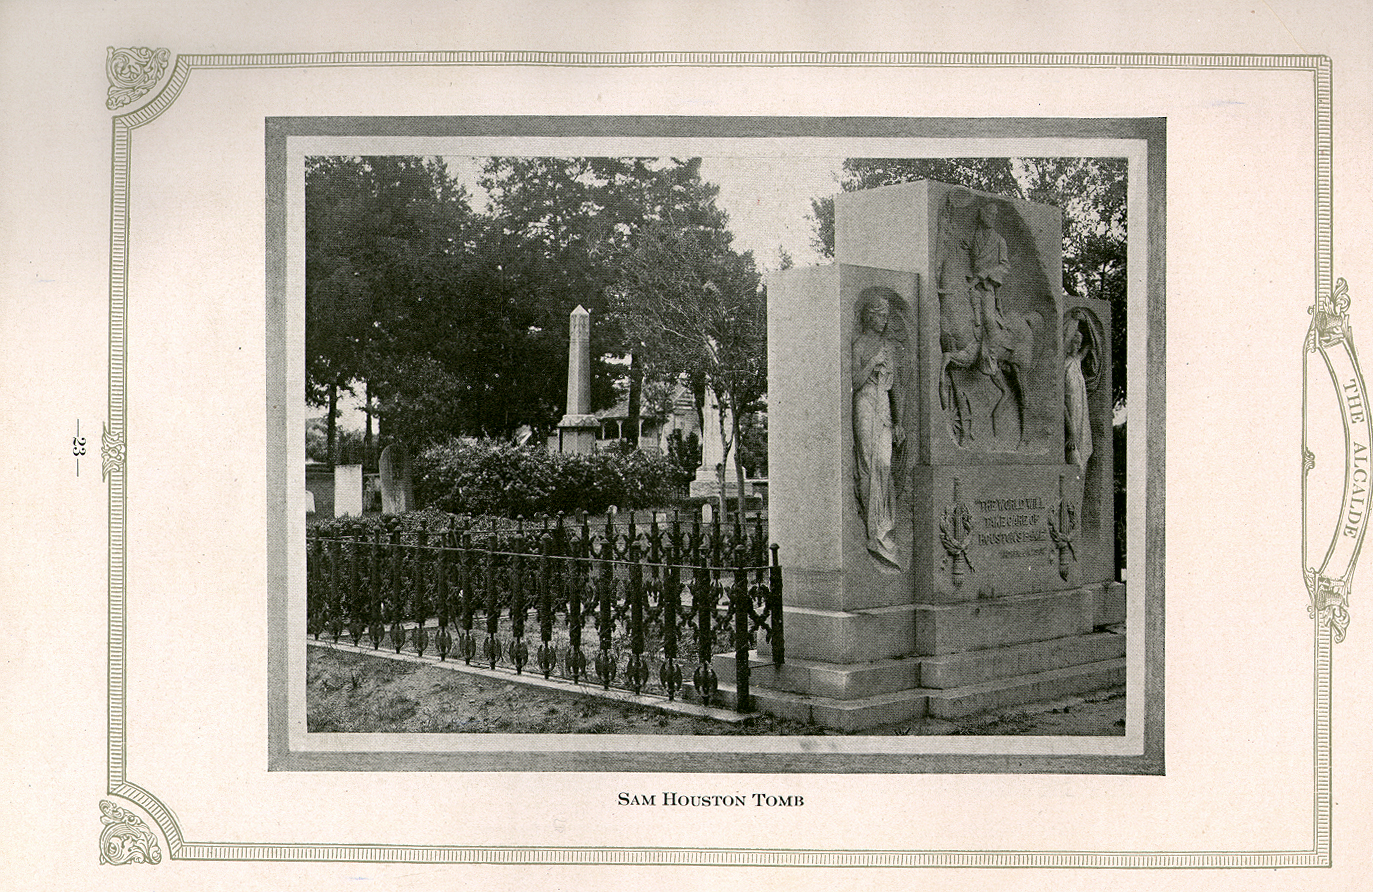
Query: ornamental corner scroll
(1331,337)
(132,72)
(126,839)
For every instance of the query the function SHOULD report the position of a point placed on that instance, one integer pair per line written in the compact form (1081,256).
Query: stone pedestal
(713,454)
(577,433)
(969,577)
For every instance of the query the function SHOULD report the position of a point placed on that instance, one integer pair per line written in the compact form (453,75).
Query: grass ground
(363,692)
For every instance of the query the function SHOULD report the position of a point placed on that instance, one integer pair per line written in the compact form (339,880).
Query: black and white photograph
(544,395)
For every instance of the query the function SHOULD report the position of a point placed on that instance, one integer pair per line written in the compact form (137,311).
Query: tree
(407,292)
(698,307)
(1089,191)
(569,225)
(381,235)
(456,320)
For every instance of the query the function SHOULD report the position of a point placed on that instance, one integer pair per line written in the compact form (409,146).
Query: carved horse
(1002,350)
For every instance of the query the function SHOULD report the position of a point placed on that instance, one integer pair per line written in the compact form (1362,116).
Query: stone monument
(577,429)
(713,452)
(940,463)
(397,492)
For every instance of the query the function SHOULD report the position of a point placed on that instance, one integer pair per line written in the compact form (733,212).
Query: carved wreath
(955,530)
(1065,536)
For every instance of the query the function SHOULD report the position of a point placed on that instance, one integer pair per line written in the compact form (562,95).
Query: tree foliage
(453,310)
(1091,193)
(454,315)
(698,308)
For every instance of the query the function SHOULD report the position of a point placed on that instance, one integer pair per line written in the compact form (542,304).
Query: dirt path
(361,692)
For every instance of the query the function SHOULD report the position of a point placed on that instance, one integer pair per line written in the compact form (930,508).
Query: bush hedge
(480,477)
(408,525)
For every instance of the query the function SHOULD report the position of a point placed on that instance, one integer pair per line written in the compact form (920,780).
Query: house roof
(620,412)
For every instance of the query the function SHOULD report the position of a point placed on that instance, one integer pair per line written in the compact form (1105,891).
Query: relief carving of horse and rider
(994,296)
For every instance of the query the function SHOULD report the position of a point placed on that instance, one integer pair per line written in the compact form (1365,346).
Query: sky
(767,199)
(768,202)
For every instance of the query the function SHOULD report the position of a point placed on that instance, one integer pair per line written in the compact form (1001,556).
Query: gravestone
(713,454)
(347,490)
(319,482)
(577,429)
(946,548)
(397,493)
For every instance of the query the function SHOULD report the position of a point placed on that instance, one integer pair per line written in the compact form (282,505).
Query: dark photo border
(724,753)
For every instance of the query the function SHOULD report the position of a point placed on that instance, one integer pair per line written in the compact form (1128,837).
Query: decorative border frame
(134,73)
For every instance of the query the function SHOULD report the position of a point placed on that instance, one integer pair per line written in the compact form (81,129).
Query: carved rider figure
(991,263)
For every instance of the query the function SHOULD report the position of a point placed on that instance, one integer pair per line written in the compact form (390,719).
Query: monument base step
(979,666)
(851,681)
(842,681)
(828,712)
(891,632)
(878,710)
(987,623)
(1020,690)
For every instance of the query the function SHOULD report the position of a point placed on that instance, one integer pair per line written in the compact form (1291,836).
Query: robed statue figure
(878,436)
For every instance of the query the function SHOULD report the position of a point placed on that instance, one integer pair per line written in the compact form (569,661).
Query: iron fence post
(313,589)
(492,647)
(420,604)
(741,623)
(397,592)
(519,651)
(637,669)
(775,612)
(443,640)
(376,623)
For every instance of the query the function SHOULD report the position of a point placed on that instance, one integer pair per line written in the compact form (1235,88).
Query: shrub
(684,457)
(407,524)
(484,477)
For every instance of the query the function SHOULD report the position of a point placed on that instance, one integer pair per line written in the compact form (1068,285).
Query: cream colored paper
(1241,264)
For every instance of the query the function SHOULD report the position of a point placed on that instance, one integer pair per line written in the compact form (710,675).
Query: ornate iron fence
(666,596)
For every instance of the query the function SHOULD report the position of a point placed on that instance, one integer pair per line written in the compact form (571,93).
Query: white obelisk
(577,430)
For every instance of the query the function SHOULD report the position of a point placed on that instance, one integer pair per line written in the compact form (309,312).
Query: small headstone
(397,494)
(707,513)
(347,490)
